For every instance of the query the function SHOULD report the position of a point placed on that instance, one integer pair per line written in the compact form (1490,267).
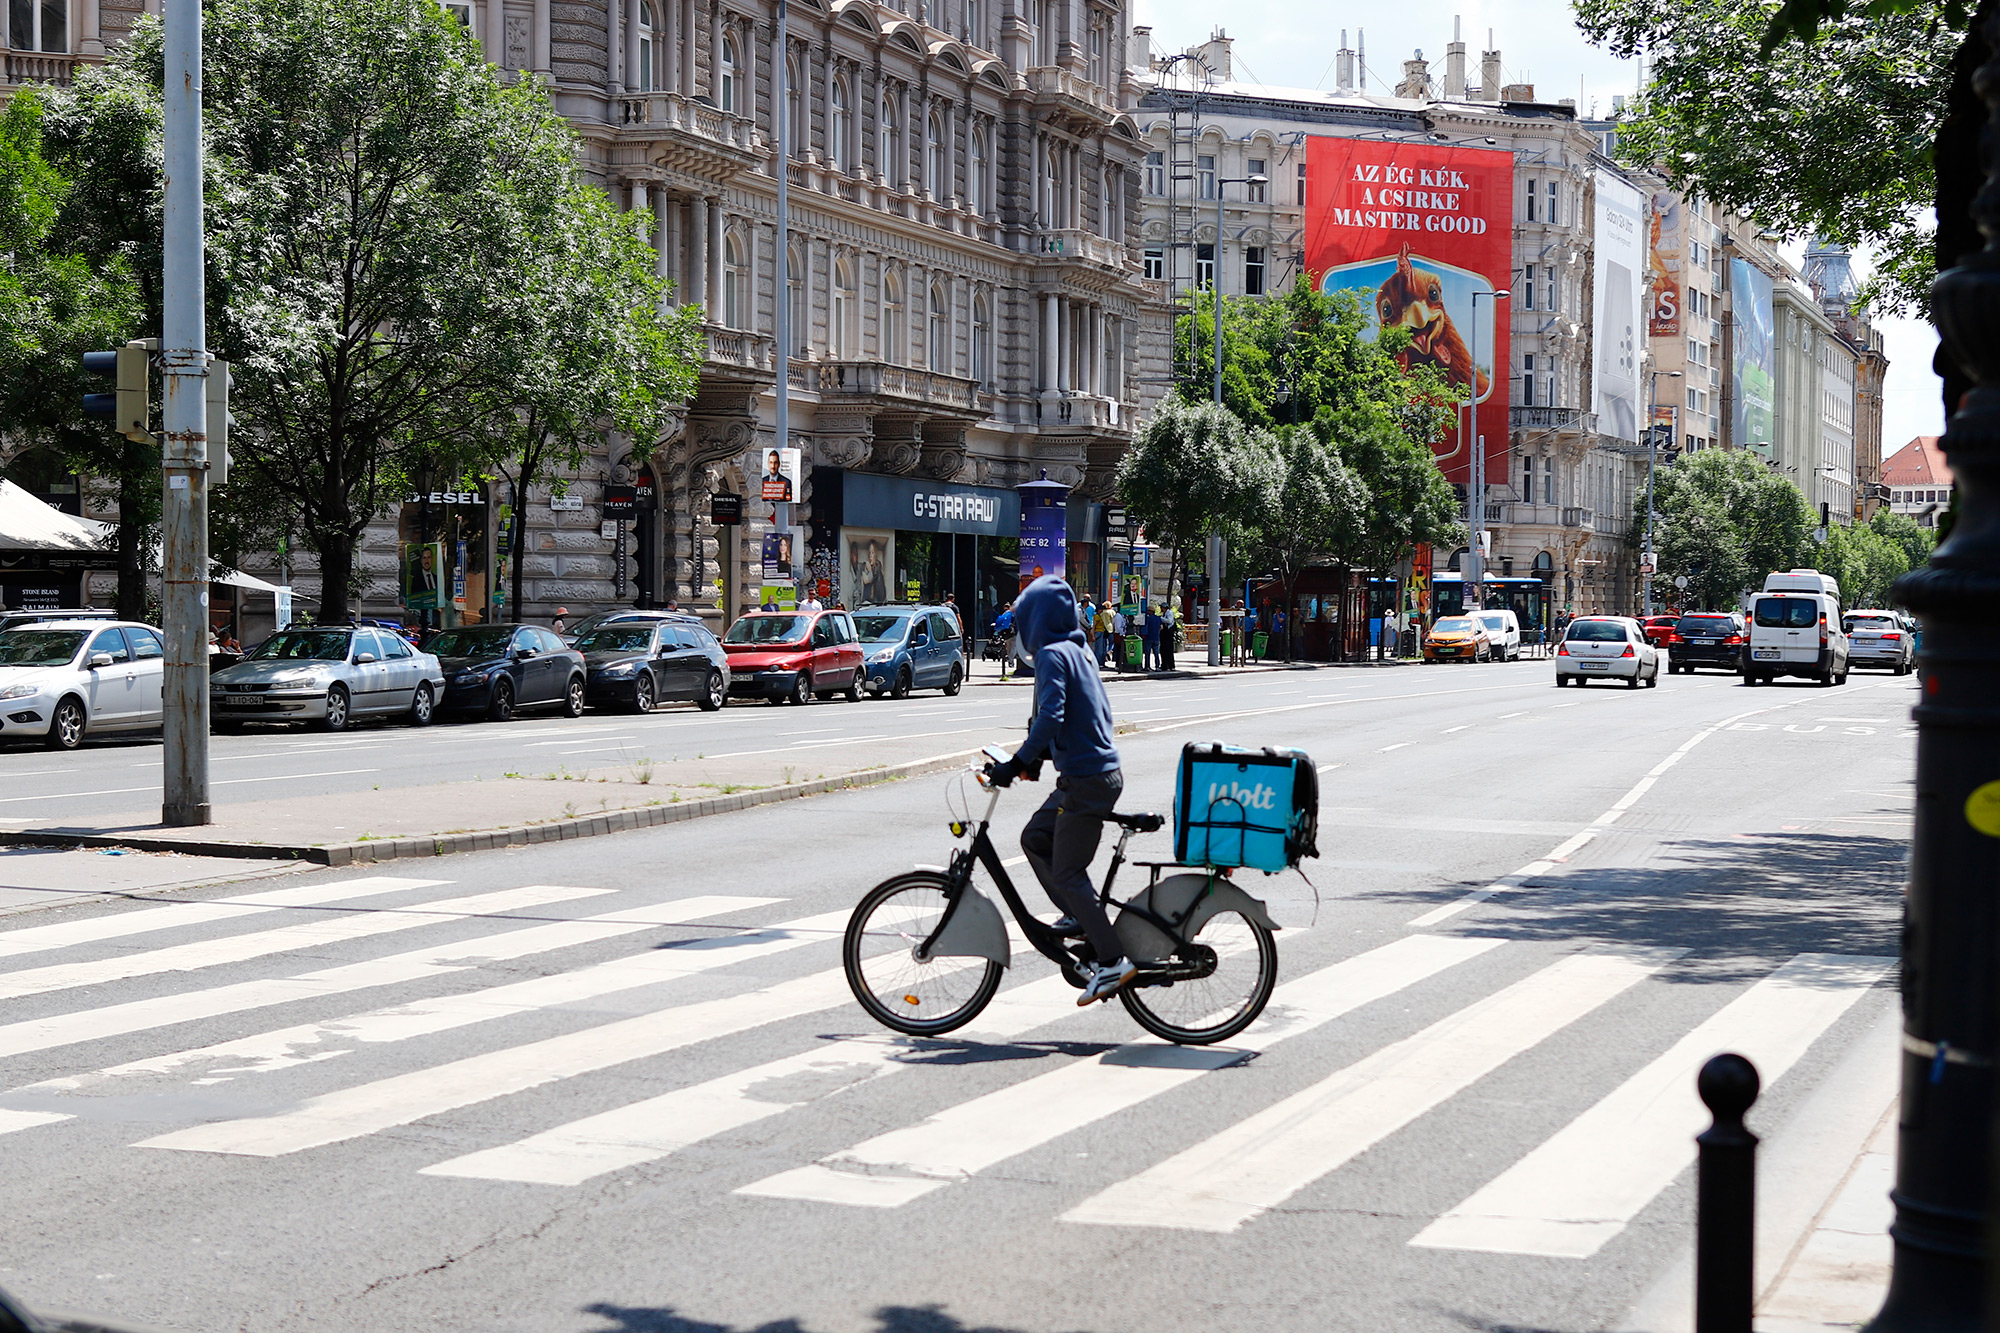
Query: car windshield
(1494,622)
(767,629)
(591,622)
(1787,612)
(1453,625)
(1853,623)
(39,647)
(304,645)
(1705,625)
(486,641)
(878,627)
(632,638)
(1596,631)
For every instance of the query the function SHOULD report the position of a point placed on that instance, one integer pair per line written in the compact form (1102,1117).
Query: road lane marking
(117,1020)
(118,925)
(1259,1162)
(1581,1187)
(1504,716)
(1328,768)
(1399,745)
(966,1139)
(571,740)
(258,944)
(1449,730)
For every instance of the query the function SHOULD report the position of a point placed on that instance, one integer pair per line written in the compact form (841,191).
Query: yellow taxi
(1458,639)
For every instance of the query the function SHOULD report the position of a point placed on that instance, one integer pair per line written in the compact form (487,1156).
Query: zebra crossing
(244,996)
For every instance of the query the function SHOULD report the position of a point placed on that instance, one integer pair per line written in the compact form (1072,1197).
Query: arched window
(982,339)
(795,106)
(977,197)
(1052,191)
(841,125)
(725,95)
(937,159)
(895,320)
(801,322)
(894,165)
(648,44)
(840,333)
(735,283)
(940,346)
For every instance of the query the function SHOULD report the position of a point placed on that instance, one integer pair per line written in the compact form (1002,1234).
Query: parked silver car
(65,679)
(1879,638)
(328,676)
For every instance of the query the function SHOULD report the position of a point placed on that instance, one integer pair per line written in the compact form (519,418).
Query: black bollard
(1725,1224)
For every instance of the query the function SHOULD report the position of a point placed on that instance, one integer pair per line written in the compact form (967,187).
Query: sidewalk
(521,809)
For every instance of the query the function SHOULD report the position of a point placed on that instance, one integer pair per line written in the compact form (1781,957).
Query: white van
(1504,629)
(1795,630)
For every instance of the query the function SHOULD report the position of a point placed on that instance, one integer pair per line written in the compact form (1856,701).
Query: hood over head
(1046,614)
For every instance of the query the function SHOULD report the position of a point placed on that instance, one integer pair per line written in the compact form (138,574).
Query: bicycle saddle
(1139,823)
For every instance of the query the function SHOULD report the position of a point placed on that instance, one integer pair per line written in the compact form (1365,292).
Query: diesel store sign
(867,501)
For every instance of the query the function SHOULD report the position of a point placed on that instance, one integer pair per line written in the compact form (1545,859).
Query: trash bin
(1260,645)
(1135,648)
(1228,644)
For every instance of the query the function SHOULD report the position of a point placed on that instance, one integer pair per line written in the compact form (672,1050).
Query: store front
(46,554)
(444,571)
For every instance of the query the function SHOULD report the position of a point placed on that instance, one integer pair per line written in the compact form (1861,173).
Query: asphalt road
(420,1102)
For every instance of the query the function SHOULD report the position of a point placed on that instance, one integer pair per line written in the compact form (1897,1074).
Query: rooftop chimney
(1489,71)
(1343,66)
(1214,55)
(1416,82)
(1140,52)
(1518,92)
(1454,65)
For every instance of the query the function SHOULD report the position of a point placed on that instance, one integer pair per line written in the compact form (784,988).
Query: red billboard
(1424,235)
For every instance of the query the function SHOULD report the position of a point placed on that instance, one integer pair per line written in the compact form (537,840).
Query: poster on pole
(780,481)
(1422,234)
(423,573)
(1619,272)
(1753,392)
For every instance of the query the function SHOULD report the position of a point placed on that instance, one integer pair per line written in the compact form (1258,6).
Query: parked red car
(794,655)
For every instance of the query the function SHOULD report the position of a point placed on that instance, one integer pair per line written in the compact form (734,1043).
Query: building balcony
(1572,419)
(1065,92)
(686,133)
(1523,514)
(18,67)
(1078,246)
(1582,520)
(900,387)
(738,353)
(1083,411)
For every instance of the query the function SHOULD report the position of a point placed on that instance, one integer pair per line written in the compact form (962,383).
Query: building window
(797,271)
(726,82)
(1114,357)
(1156,173)
(1052,188)
(735,284)
(894,164)
(1302,185)
(841,330)
(940,348)
(462,11)
(1156,262)
(1548,481)
(894,319)
(841,126)
(1114,203)
(1204,170)
(1256,192)
(1528,480)
(1528,287)
(44,26)
(795,108)
(1552,203)
(644,53)
(1045,35)
(1204,266)
(1528,380)
(1097,54)
(975,176)
(1253,270)
(937,159)
(982,340)
(1532,203)
(975,24)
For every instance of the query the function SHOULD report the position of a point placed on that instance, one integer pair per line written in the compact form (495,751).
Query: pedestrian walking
(1149,639)
(1278,636)
(1169,631)
(1003,634)
(1102,624)
(1118,632)
(561,622)
(1086,616)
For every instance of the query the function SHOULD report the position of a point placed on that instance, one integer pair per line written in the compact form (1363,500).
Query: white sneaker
(1106,980)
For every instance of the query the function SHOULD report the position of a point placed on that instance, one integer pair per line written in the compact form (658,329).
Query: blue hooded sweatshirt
(1072,721)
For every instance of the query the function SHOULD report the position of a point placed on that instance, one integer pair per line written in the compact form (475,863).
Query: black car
(1706,638)
(497,669)
(636,662)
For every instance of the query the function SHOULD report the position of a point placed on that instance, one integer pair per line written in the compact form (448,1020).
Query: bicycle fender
(973,930)
(1146,942)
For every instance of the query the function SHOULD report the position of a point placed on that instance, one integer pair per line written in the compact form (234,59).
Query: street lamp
(1476,493)
(1652,455)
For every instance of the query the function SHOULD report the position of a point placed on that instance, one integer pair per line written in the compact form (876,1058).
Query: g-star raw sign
(954,507)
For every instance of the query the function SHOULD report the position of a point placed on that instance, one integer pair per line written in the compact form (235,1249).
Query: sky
(1538,43)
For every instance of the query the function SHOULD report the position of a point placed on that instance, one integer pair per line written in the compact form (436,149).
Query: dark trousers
(1060,840)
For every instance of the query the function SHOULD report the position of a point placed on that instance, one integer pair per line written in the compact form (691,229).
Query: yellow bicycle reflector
(957,829)
(911,999)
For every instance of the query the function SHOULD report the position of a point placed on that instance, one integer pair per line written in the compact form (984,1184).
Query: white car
(1504,629)
(63,680)
(1879,638)
(1599,647)
(327,676)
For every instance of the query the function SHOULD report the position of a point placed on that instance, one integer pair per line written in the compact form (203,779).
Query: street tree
(1725,520)
(1322,514)
(1868,558)
(1195,471)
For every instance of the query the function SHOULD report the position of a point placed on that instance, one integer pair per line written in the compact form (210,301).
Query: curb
(338,854)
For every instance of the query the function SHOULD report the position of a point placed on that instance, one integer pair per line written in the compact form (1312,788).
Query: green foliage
(1197,470)
(1725,520)
(1869,558)
(1829,137)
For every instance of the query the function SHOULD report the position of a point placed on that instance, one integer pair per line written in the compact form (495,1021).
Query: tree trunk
(336,569)
(519,543)
(1959,177)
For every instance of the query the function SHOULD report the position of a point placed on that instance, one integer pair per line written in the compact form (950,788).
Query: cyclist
(1071,723)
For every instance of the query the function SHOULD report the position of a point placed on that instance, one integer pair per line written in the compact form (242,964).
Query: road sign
(1680,580)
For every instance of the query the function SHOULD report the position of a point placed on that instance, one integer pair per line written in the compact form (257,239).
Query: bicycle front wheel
(1220,1005)
(922,999)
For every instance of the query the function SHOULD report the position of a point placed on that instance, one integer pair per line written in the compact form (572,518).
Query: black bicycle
(924,950)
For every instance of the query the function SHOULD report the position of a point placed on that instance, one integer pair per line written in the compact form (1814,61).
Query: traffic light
(131,407)
(218,422)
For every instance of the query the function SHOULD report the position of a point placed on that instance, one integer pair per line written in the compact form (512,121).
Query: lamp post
(1475,507)
(1652,454)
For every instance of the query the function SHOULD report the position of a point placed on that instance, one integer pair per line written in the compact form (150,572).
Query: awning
(236,578)
(27,524)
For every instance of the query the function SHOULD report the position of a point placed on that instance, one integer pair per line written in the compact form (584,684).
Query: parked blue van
(911,648)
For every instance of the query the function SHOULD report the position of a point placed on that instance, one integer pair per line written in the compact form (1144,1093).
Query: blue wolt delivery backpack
(1242,807)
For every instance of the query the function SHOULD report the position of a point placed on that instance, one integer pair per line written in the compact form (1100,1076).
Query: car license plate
(1705,643)
(239,698)
(1764,654)
(1594,666)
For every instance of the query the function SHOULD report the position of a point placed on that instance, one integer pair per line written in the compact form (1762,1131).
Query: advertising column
(1416,231)
(1044,528)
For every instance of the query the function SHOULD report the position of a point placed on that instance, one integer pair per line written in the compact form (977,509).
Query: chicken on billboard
(1424,236)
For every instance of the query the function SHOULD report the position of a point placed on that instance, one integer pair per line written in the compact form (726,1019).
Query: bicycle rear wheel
(921,999)
(1221,1004)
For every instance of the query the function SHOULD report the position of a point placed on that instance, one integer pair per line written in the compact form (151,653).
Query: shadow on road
(888,1319)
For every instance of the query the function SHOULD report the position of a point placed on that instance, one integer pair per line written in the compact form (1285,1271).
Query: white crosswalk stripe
(321,930)
(417,964)
(1257,1164)
(1580,1188)
(907,1164)
(142,921)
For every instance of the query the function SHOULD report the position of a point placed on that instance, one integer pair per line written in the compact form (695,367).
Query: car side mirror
(100,660)
(362,659)
(524,653)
